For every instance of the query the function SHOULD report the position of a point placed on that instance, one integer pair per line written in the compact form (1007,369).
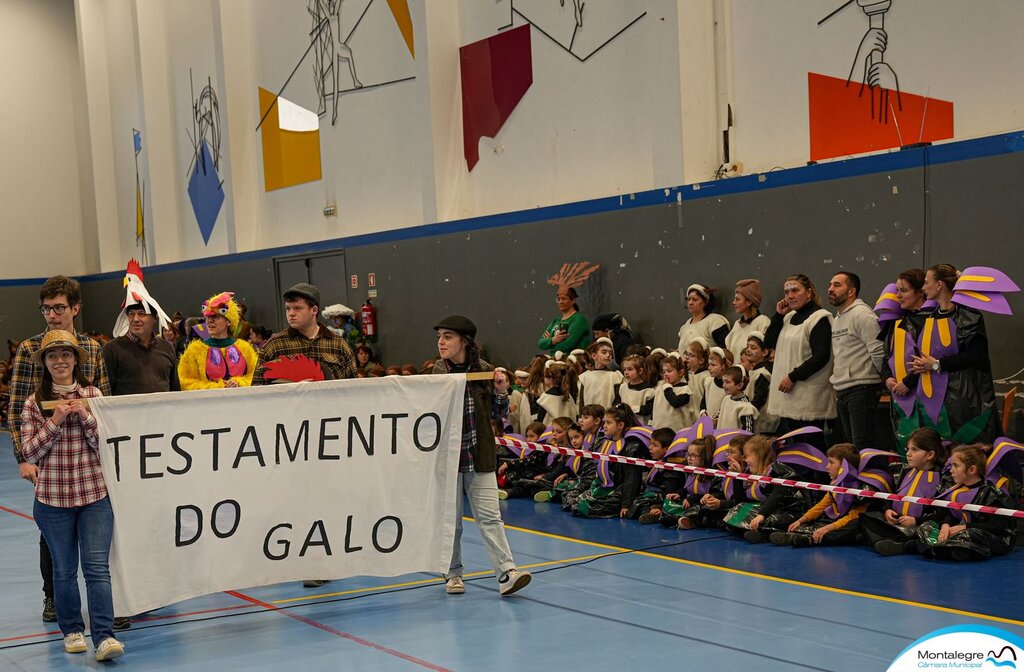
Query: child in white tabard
(560,390)
(737,412)
(634,390)
(696,359)
(759,382)
(672,397)
(597,386)
(719,360)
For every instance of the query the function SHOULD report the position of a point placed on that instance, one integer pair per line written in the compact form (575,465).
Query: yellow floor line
(426,581)
(766,577)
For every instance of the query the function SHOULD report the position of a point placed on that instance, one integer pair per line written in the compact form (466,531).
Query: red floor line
(142,619)
(17,513)
(339,633)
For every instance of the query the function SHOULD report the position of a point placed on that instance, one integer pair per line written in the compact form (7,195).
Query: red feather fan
(294,369)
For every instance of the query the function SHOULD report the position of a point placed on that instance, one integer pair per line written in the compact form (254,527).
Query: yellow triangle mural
(400,10)
(291,143)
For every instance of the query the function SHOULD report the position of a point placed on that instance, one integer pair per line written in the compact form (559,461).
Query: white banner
(226,489)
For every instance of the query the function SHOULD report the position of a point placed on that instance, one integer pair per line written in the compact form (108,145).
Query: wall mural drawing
(843,121)
(291,143)
(140,198)
(497,71)
(205,188)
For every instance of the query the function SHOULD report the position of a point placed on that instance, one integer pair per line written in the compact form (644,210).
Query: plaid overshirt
(332,351)
(67,456)
(26,374)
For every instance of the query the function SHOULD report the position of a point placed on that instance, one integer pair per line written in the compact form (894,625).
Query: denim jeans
(482,491)
(857,407)
(68,532)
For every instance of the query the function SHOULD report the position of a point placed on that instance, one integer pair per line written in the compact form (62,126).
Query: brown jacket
(485,458)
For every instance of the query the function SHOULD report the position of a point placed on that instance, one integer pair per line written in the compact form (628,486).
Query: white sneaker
(454,586)
(75,643)
(109,649)
(512,581)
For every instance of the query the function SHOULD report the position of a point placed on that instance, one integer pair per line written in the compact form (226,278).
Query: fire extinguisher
(368,319)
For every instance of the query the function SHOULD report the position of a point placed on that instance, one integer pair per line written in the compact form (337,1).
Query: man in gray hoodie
(858,356)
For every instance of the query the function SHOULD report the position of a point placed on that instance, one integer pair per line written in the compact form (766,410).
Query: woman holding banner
(478,458)
(71,505)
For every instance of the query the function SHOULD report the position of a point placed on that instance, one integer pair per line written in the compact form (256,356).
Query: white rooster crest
(135,293)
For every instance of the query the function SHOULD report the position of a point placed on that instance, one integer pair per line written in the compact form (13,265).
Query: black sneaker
(122,623)
(49,610)
(890,547)
(802,541)
(755,536)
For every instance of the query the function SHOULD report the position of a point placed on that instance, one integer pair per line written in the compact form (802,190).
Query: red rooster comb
(294,369)
(135,269)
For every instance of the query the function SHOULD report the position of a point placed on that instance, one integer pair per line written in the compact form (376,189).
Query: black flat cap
(459,324)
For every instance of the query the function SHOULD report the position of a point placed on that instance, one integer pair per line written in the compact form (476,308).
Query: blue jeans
(482,491)
(86,529)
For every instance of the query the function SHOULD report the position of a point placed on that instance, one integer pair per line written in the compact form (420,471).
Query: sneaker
(512,581)
(782,538)
(502,494)
(755,536)
(454,586)
(802,541)
(75,643)
(109,649)
(49,610)
(686,524)
(889,547)
(122,623)
(313,583)
(542,496)
(649,518)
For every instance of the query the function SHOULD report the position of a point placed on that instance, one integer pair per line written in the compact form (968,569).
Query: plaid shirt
(26,374)
(67,456)
(332,351)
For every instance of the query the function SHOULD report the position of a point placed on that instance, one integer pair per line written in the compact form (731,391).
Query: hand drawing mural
(843,121)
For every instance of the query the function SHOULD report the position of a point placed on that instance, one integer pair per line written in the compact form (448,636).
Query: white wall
(967,53)
(647,111)
(40,192)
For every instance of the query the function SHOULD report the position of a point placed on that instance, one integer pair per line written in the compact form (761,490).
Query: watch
(935,366)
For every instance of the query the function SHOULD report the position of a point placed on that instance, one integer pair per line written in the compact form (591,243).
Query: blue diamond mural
(206,193)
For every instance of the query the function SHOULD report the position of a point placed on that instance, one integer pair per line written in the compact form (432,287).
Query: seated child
(684,509)
(892,531)
(769,507)
(647,507)
(832,521)
(527,483)
(729,491)
(952,534)
(616,485)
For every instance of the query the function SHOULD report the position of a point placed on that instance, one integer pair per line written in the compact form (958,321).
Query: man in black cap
(306,335)
(478,460)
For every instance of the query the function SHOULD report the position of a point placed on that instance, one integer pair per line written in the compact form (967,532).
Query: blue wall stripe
(963,150)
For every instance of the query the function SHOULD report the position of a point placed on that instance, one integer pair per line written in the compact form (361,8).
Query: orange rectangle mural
(846,119)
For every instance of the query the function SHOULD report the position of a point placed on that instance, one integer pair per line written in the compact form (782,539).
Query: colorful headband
(571,276)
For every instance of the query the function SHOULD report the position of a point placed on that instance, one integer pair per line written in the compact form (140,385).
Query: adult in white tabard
(747,304)
(801,334)
(703,322)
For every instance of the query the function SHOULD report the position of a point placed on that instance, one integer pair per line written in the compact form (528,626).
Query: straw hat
(58,338)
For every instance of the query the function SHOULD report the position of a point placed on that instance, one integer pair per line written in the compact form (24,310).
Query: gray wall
(966,213)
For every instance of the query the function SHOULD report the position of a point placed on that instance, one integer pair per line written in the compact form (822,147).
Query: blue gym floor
(709,602)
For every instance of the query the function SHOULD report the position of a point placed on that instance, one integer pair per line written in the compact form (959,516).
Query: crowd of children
(706,409)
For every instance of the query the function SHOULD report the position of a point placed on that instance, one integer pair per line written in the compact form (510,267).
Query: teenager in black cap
(306,335)
(478,459)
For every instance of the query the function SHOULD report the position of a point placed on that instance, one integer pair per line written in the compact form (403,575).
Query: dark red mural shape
(844,120)
(496,73)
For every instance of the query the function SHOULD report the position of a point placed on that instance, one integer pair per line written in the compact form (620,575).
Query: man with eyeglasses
(60,302)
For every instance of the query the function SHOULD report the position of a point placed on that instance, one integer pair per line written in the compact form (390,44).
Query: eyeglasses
(58,309)
(56,356)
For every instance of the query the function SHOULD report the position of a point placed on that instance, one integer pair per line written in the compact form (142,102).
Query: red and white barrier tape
(804,485)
